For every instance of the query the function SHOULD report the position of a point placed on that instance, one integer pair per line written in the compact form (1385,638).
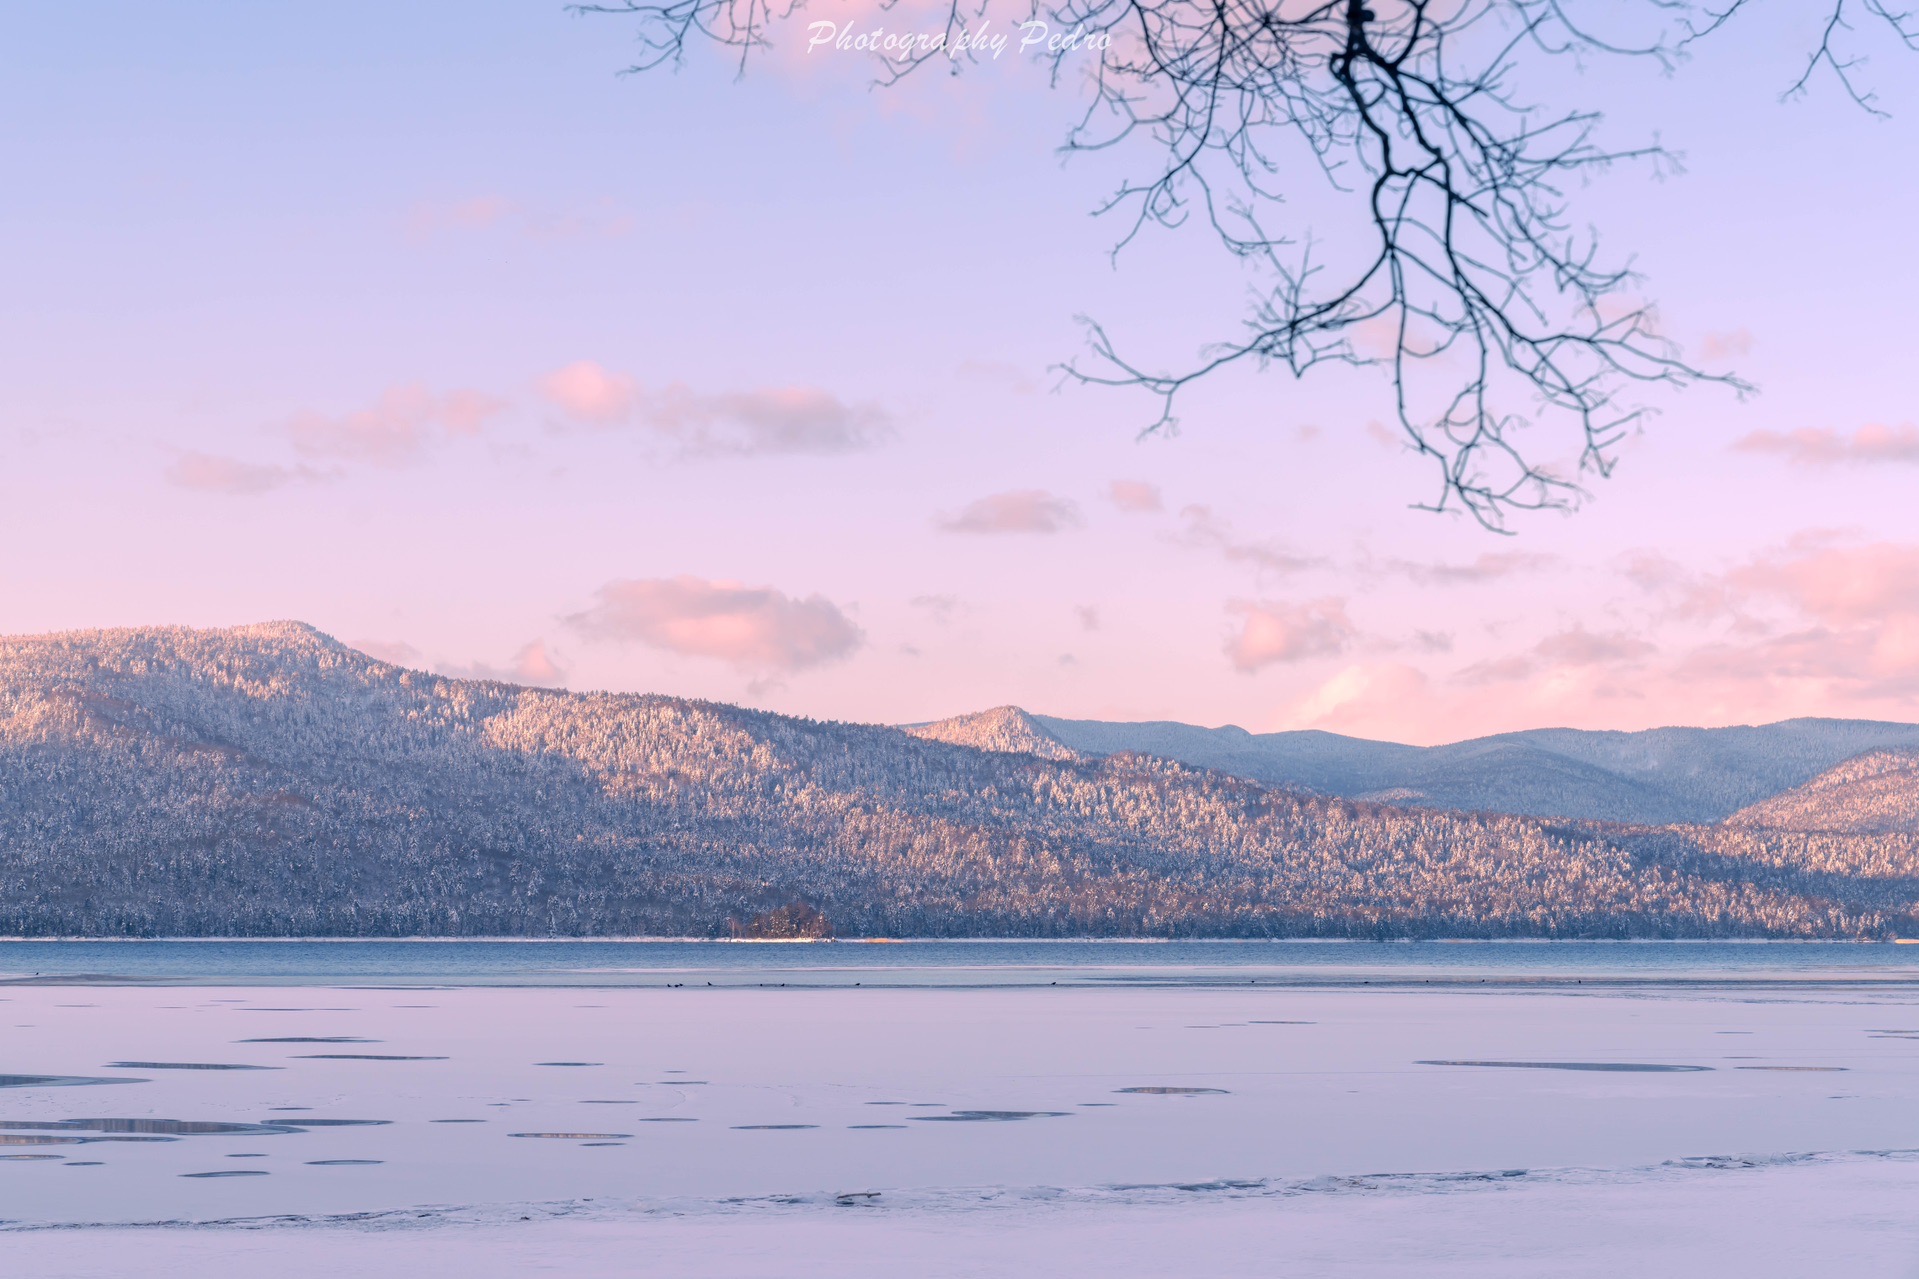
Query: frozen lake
(1507,1109)
(950,963)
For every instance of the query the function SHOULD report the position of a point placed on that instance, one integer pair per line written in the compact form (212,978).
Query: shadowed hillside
(267,780)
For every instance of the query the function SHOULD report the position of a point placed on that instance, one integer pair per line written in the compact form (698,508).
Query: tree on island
(1453,263)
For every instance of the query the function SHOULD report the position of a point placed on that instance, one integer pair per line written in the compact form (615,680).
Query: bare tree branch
(1457,268)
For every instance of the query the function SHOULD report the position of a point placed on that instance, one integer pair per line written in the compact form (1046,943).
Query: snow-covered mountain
(267,780)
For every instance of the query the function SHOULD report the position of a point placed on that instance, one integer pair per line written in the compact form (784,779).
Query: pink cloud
(534,665)
(1019,511)
(1823,446)
(791,419)
(210,473)
(1282,632)
(1388,700)
(756,629)
(586,391)
(1839,585)
(394,431)
(1135,497)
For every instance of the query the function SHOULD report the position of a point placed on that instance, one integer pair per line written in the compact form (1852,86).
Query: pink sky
(465,350)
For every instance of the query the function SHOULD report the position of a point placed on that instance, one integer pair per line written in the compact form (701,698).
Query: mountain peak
(1006,729)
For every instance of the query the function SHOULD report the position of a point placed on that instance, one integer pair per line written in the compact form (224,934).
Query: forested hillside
(267,780)
(1874,793)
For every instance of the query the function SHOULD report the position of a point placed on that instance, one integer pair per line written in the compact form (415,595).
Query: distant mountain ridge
(270,781)
(1656,777)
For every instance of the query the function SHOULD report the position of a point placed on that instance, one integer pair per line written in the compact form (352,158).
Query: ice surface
(1122,1131)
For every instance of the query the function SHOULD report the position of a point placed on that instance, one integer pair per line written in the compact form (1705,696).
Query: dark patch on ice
(37,1139)
(60,1081)
(150,1127)
(248,1154)
(229,1172)
(186,1065)
(855,1198)
(668,1119)
(1169,1090)
(332,1123)
(771,1127)
(602,1143)
(309,1039)
(1098,1103)
(574,1136)
(363,1057)
(82,1163)
(24,1158)
(1640,1067)
(991,1116)
(342,1163)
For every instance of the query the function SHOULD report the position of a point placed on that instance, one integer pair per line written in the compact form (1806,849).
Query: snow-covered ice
(963,1131)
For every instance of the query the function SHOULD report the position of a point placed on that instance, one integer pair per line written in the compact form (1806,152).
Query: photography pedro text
(980,41)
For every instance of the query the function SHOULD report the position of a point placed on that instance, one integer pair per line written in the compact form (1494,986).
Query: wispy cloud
(791,419)
(940,608)
(1489,566)
(1824,446)
(756,629)
(1206,531)
(396,430)
(397,652)
(1018,511)
(1562,651)
(211,473)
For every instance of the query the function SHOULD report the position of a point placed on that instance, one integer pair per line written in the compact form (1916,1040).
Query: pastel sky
(422,324)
